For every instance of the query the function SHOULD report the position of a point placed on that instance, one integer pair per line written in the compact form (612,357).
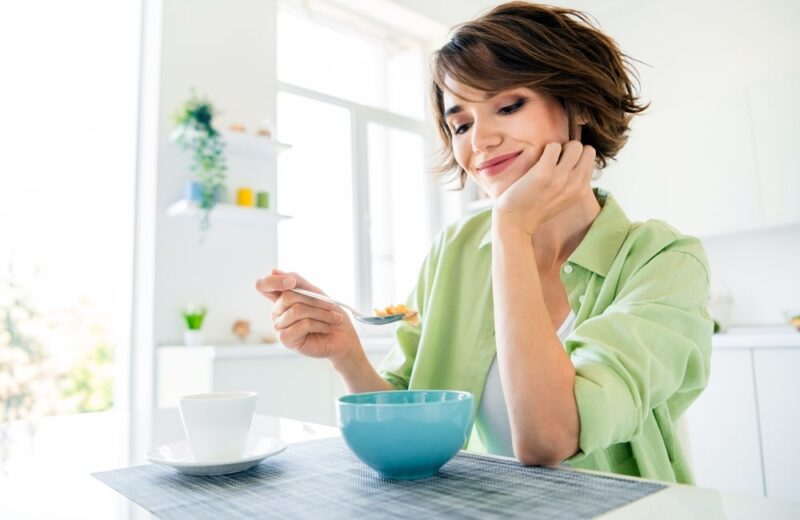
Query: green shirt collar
(602,242)
(600,246)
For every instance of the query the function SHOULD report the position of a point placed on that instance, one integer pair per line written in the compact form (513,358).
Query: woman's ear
(577,125)
(580,118)
(576,118)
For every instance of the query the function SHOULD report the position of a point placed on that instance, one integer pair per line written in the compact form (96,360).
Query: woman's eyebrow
(455,109)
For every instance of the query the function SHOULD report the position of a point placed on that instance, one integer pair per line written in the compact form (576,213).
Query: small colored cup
(244,197)
(262,199)
(192,191)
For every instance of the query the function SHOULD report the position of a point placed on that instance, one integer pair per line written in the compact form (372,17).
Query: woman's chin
(496,190)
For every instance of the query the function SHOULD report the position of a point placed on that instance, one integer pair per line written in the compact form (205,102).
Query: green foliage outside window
(51,363)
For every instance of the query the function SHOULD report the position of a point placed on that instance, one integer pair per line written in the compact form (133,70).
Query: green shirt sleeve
(649,348)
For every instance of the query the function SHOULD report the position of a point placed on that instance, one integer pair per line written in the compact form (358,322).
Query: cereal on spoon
(411,316)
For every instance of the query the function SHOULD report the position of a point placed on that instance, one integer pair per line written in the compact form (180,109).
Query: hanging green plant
(195,133)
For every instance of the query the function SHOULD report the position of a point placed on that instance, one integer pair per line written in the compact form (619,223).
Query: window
(351,61)
(315,187)
(351,103)
(66,203)
(396,182)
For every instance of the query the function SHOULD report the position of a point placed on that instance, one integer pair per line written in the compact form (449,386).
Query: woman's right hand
(312,327)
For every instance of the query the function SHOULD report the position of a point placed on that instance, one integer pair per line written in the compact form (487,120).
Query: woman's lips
(494,167)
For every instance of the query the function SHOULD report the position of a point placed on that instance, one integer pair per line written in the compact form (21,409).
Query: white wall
(226,51)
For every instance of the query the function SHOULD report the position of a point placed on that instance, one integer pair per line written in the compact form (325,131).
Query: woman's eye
(510,109)
(461,129)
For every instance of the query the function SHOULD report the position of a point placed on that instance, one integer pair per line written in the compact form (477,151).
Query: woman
(583,336)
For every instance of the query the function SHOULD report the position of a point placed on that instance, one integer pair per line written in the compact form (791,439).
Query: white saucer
(178,455)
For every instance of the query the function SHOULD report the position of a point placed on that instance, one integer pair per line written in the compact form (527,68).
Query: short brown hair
(548,49)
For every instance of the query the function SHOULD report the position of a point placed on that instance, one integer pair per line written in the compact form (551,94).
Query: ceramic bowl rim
(462,396)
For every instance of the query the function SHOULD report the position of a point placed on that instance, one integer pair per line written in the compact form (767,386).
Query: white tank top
(492,419)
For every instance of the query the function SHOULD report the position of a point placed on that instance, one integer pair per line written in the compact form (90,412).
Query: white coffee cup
(217,424)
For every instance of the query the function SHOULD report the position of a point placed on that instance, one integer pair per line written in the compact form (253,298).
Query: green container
(262,199)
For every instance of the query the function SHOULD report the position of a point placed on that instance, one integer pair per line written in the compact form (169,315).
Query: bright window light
(315,187)
(347,64)
(69,105)
(396,183)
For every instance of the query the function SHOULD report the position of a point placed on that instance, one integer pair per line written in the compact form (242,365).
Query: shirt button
(567,268)
(581,298)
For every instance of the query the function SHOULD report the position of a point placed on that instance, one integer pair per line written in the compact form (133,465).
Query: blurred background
(121,289)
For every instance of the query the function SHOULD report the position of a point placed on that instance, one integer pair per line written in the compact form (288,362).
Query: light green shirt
(641,343)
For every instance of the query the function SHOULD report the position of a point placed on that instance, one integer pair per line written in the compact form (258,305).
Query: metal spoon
(363,318)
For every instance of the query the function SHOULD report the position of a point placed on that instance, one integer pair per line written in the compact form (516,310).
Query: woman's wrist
(358,373)
(509,224)
(504,227)
(350,361)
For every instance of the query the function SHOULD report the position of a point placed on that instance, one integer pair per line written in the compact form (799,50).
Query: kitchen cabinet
(693,165)
(775,111)
(723,427)
(713,154)
(744,428)
(717,165)
(776,372)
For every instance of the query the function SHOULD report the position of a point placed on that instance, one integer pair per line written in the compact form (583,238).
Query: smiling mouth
(495,166)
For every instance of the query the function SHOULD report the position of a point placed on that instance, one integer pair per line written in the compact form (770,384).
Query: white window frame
(361,116)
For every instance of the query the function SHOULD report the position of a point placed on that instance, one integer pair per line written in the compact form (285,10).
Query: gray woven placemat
(323,479)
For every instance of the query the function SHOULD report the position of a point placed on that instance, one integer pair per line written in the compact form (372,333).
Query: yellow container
(245,197)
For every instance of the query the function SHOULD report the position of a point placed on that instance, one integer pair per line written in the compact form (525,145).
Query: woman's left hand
(558,180)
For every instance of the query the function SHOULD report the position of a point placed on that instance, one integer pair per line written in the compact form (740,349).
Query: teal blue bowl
(406,434)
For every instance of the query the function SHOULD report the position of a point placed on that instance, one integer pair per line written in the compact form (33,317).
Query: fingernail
(288,282)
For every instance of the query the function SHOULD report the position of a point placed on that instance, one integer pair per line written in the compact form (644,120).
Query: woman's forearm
(358,373)
(537,375)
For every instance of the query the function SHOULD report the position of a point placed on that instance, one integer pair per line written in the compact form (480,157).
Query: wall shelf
(226,212)
(249,144)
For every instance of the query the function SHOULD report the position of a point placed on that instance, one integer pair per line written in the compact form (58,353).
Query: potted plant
(193,314)
(195,133)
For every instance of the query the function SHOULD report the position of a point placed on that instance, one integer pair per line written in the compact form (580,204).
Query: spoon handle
(323,298)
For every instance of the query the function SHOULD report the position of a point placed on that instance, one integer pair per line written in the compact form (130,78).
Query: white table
(45,468)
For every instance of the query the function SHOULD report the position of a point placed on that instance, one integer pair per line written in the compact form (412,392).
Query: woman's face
(498,137)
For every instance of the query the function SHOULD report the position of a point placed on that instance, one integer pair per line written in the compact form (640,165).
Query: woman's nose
(485,136)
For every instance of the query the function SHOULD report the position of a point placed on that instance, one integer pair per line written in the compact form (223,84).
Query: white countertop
(756,337)
(45,468)
(262,350)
